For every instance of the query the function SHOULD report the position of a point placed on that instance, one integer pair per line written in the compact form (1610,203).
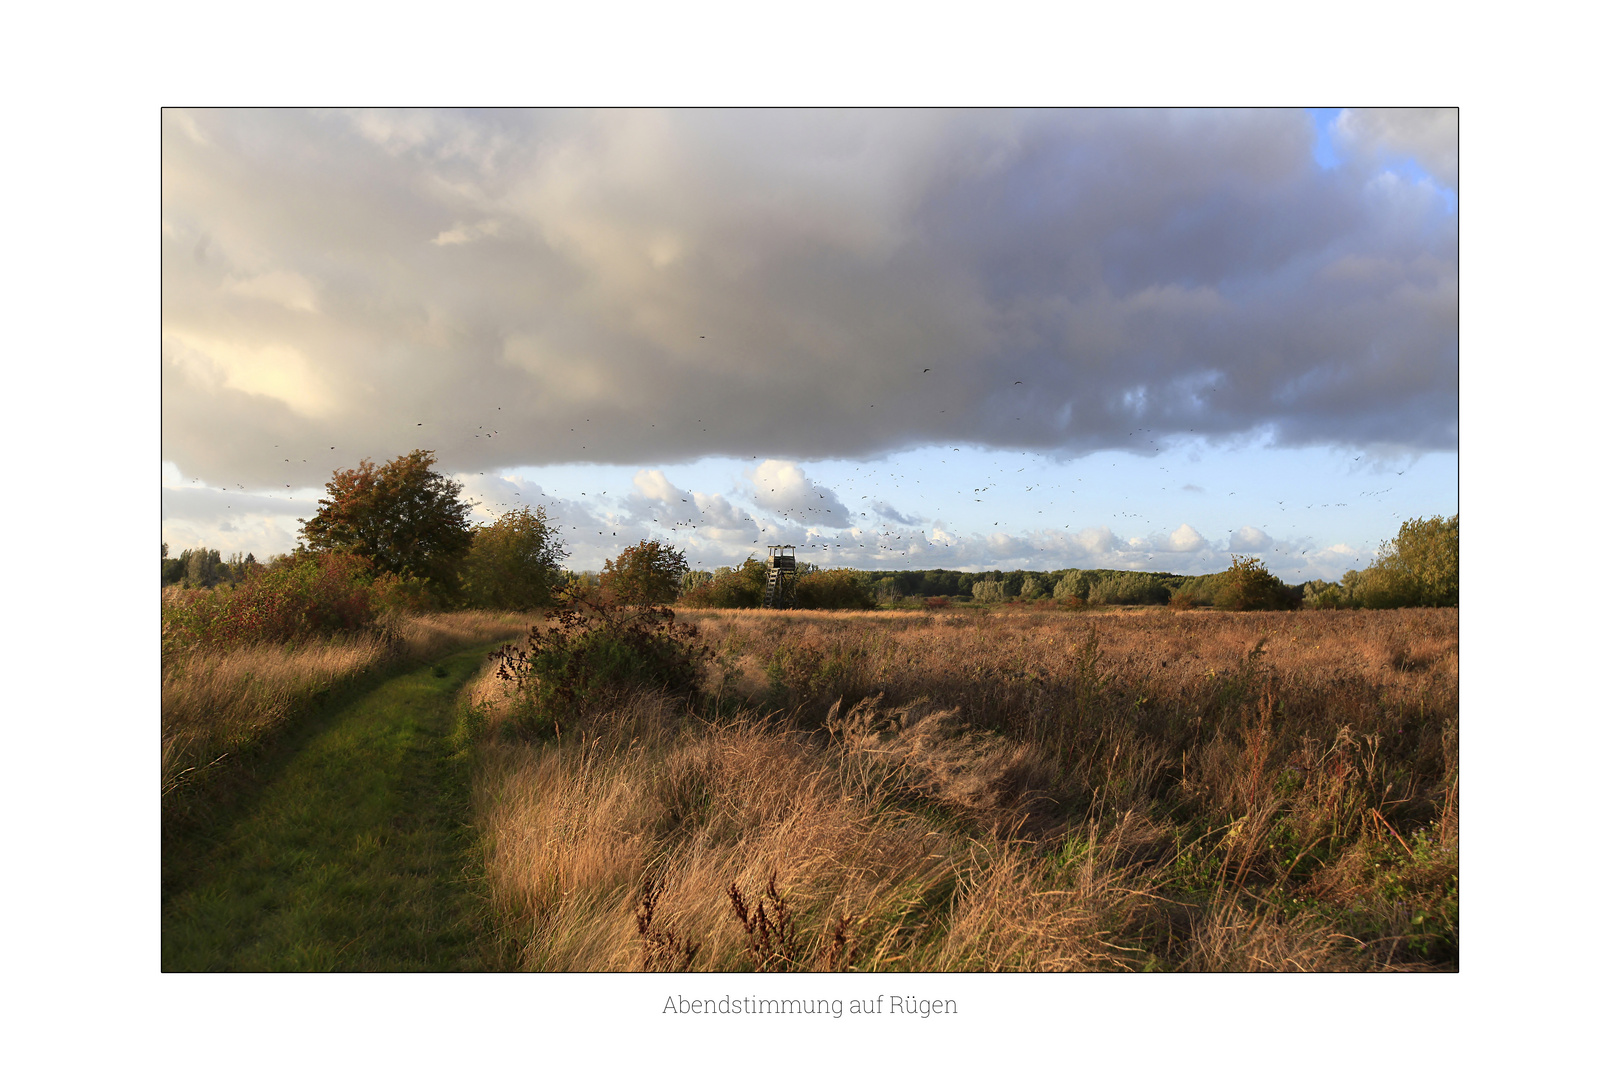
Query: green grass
(354,856)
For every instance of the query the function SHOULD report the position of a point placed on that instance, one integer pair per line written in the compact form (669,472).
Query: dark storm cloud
(654,287)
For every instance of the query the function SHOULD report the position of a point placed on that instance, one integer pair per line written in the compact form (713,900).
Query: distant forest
(1419,568)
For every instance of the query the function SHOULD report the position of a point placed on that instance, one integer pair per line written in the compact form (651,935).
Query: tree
(513,563)
(174,570)
(1249,586)
(989,592)
(1423,562)
(403,516)
(204,568)
(646,574)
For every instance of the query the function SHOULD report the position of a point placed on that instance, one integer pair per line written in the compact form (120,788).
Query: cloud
(1250,538)
(732,283)
(783,487)
(292,291)
(719,519)
(653,484)
(889,513)
(1428,136)
(466,234)
(1185,538)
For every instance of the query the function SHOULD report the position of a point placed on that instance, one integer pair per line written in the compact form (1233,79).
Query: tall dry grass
(219,704)
(1039,791)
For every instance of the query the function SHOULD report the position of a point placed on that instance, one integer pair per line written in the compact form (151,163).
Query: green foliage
(1128,587)
(512,564)
(1420,567)
(1324,596)
(1071,586)
(596,648)
(648,573)
(989,592)
(694,579)
(1034,588)
(1198,591)
(402,516)
(828,589)
(203,568)
(731,587)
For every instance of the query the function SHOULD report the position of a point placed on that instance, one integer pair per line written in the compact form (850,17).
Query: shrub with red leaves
(293,599)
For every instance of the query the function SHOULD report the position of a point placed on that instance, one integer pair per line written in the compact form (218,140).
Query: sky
(895,339)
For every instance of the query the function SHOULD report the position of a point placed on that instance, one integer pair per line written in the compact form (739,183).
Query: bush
(295,598)
(596,648)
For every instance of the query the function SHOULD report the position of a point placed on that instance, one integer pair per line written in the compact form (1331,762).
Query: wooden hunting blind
(780,570)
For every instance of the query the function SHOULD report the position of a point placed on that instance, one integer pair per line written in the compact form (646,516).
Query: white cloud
(783,486)
(654,485)
(1185,538)
(719,519)
(1250,538)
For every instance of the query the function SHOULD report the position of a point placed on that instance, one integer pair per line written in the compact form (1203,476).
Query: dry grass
(577,837)
(219,704)
(1029,791)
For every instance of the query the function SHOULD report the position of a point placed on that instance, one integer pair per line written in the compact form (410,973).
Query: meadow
(984,788)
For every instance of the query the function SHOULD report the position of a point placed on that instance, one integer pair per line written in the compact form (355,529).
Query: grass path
(354,856)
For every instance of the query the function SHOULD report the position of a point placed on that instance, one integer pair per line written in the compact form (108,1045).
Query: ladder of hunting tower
(779,574)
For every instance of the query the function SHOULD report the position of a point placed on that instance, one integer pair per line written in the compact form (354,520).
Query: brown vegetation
(1030,790)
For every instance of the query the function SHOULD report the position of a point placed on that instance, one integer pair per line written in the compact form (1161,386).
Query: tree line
(409,528)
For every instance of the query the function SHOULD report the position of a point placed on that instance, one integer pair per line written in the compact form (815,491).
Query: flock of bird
(728,524)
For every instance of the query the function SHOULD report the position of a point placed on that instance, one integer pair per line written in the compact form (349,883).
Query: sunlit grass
(1022,791)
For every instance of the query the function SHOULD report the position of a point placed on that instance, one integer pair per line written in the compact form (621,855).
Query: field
(1141,790)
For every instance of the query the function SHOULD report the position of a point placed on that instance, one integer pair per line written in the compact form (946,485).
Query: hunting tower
(780,570)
